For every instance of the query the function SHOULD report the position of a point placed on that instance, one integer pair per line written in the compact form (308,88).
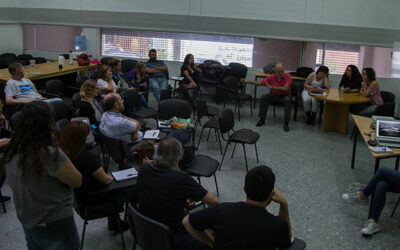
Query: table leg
(377,160)
(255,93)
(353,157)
(335,117)
(396,166)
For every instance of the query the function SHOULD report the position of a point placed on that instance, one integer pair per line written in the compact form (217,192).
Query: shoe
(309,118)
(370,228)
(354,198)
(113,225)
(286,127)
(354,187)
(260,123)
(5,199)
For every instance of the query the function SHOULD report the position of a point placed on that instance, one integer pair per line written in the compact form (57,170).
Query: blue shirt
(158,63)
(114,125)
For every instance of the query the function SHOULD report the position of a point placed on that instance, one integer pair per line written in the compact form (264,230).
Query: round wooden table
(337,108)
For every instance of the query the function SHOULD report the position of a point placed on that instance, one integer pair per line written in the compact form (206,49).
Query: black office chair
(127,65)
(388,106)
(84,212)
(39,60)
(53,89)
(395,207)
(242,136)
(6,61)
(212,123)
(24,59)
(104,60)
(296,96)
(212,75)
(148,233)
(132,104)
(10,55)
(116,149)
(204,166)
(61,109)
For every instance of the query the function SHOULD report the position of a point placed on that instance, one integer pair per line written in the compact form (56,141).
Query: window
(174,46)
(337,56)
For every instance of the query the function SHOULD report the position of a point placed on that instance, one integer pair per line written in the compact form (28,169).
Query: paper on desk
(126,174)
(151,134)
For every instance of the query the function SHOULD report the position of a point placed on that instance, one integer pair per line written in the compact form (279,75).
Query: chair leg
(201,134)
(120,229)
(251,107)
(239,109)
(3,204)
(274,110)
(255,146)
(296,104)
(208,136)
(245,157)
(216,184)
(83,233)
(395,207)
(223,156)
(234,148)
(219,141)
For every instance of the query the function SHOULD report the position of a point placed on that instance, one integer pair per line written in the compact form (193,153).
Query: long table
(45,70)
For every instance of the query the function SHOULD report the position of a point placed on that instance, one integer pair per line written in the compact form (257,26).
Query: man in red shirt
(279,83)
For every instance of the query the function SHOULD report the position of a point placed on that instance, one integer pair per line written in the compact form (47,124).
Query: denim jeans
(384,180)
(57,235)
(156,85)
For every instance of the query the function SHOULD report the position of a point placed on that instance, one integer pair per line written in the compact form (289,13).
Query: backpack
(189,157)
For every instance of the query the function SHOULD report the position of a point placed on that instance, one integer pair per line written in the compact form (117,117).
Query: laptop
(388,133)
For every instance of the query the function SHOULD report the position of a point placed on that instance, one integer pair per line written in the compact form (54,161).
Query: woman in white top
(105,83)
(314,80)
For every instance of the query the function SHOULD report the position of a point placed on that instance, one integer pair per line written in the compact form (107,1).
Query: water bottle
(70,57)
(61,60)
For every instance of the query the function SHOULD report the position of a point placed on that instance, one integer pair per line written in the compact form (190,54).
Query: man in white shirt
(20,90)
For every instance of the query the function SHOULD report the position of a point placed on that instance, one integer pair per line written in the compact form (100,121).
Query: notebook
(126,174)
(151,134)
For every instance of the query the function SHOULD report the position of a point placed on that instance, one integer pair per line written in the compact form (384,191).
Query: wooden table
(45,70)
(337,108)
(295,79)
(364,127)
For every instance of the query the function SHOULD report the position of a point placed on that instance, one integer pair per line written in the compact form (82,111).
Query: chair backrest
(386,109)
(61,110)
(201,108)
(39,60)
(237,70)
(5,61)
(80,80)
(76,100)
(131,98)
(173,107)
(150,234)
(105,60)
(25,57)
(232,82)
(54,86)
(226,120)
(10,55)
(127,65)
(211,62)
(294,90)
(115,148)
(60,125)
(388,96)
(14,120)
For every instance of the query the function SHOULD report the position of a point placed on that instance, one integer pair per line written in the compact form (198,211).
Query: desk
(363,125)
(45,70)
(337,109)
(114,186)
(295,79)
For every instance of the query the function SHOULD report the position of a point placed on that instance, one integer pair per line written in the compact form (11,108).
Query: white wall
(11,39)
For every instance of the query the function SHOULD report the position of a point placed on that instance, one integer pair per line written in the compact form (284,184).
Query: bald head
(279,70)
(113,102)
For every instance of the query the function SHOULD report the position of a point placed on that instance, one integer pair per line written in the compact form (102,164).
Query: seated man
(156,70)
(20,90)
(245,225)
(115,125)
(164,191)
(279,83)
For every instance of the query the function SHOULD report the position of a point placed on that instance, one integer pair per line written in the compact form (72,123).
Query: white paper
(126,174)
(177,78)
(161,124)
(151,134)
(384,149)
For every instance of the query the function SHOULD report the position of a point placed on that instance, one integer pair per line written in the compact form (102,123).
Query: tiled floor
(312,170)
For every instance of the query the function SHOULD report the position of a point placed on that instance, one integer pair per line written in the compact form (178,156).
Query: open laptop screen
(388,129)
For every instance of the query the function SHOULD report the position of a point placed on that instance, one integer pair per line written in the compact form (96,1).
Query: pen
(154,133)
(129,175)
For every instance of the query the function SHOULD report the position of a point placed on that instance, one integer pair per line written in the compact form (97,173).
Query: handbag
(83,59)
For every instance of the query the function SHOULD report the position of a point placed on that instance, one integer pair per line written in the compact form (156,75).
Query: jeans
(267,99)
(156,85)
(57,235)
(187,242)
(384,180)
(143,101)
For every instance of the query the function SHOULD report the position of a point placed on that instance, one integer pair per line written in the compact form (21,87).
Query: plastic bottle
(61,60)
(70,57)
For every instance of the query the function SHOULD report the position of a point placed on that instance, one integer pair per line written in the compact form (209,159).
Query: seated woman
(105,82)
(189,72)
(89,106)
(315,80)
(72,142)
(370,89)
(385,180)
(137,79)
(41,178)
(117,74)
(351,80)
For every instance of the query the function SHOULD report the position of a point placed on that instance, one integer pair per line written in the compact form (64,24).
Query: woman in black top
(89,107)
(72,142)
(190,72)
(351,80)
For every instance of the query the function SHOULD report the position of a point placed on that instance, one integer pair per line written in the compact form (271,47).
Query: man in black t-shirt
(245,225)
(164,191)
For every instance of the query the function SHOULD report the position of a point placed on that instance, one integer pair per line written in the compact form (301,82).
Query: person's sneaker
(260,123)
(370,228)
(354,187)
(5,199)
(286,127)
(354,198)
